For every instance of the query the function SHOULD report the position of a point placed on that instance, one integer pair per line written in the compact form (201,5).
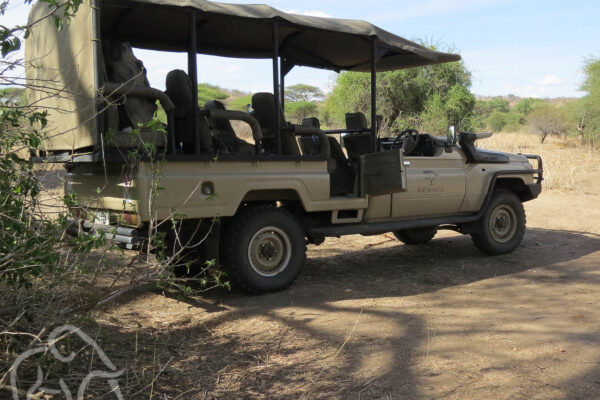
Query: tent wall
(62,77)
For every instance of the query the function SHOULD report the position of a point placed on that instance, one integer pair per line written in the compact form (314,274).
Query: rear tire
(502,227)
(417,235)
(263,249)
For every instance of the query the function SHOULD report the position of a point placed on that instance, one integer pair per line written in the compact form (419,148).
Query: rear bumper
(128,238)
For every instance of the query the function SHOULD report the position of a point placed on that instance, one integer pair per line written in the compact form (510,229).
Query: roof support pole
(282,89)
(276,92)
(374,95)
(193,74)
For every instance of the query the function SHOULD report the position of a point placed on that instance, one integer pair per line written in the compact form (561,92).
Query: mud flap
(382,173)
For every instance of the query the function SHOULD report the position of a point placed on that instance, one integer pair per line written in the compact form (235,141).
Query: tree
(13,95)
(303,92)
(459,106)
(546,121)
(587,115)
(499,104)
(301,109)
(496,121)
(402,95)
(434,118)
(207,92)
(527,105)
(591,83)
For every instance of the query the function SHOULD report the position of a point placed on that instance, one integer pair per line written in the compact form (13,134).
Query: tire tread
(233,233)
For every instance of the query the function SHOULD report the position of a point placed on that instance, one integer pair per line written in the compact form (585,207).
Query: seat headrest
(214,105)
(263,105)
(312,122)
(356,120)
(179,90)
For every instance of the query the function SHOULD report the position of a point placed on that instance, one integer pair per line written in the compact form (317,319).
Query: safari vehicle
(295,184)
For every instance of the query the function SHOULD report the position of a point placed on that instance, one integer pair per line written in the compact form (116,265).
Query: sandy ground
(370,318)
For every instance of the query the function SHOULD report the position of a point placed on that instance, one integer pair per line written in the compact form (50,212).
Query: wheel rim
(269,251)
(503,223)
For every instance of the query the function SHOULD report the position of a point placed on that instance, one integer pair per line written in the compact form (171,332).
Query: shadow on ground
(392,321)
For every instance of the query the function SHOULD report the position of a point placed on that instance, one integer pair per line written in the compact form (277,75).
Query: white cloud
(550,80)
(312,13)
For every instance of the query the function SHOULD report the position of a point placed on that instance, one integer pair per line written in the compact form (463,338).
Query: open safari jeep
(253,205)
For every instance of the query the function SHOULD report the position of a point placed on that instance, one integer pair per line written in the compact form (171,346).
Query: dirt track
(398,322)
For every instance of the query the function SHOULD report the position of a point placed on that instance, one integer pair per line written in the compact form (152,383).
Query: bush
(546,121)
(300,109)
(208,92)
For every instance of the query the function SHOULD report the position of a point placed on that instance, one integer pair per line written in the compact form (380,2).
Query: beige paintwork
(436,186)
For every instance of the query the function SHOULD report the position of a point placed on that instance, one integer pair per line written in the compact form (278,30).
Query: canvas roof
(245,31)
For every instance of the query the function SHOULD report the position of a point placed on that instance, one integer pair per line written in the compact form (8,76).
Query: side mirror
(451,136)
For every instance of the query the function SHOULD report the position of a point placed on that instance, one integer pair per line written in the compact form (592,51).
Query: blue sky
(524,47)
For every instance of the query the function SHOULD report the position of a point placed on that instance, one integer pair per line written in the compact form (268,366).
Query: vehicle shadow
(340,331)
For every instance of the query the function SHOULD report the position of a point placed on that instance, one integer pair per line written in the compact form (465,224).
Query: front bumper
(533,190)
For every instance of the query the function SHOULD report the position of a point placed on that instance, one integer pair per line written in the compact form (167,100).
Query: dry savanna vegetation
(568,164)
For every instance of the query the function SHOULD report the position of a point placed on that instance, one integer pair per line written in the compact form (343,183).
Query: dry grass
(566,162)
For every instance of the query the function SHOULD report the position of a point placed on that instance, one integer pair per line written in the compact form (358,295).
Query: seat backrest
(222,125)
(224,134)
(356,120)
(123,67)
(357,144)
(312,122)
(179,90)
(264,106)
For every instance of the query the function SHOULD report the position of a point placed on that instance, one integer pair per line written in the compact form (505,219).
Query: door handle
(407,163)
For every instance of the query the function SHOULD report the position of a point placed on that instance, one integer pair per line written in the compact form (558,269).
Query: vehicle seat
(123,67)
(356,120)
(224,132)
(263,105)
(342,172)
(343,177)
(310,145)
(357,143)
(179,90)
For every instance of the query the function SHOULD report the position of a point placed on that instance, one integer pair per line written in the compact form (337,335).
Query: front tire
(417,235)
(263,249)
(502,227)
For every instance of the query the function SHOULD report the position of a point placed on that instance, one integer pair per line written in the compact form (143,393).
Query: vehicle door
(382,173)
(435,186)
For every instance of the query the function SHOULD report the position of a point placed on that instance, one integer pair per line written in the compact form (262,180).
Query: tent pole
(374,95)
(193,74)
(276,92)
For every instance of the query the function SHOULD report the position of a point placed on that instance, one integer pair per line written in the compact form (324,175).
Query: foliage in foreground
(28,240)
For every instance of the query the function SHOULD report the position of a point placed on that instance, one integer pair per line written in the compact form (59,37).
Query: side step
(384,227)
